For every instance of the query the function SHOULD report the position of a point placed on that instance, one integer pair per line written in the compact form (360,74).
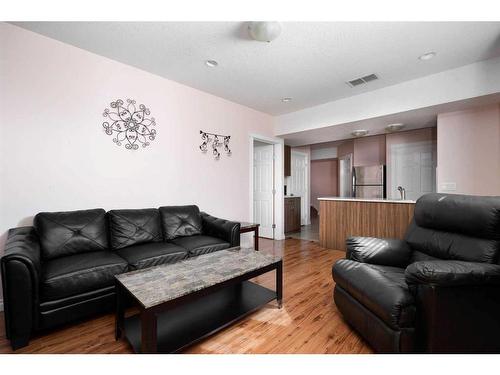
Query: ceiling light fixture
(394,127)
(286,100)
(211,63)
(427,56)
(359,133)
(264,31)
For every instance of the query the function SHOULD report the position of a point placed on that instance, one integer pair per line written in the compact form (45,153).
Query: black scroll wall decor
(130,124)
(215,142)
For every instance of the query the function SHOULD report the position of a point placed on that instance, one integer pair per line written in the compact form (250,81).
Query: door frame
(307,195)
(279,210)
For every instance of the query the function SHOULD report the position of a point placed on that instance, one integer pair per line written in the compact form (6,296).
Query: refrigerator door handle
(354,182)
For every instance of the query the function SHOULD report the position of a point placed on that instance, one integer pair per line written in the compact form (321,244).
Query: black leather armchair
(62,269)
(436,291)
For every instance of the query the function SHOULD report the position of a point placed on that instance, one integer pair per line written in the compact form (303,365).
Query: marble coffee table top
(159,284)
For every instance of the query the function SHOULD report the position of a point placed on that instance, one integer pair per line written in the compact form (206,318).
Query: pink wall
(324,180)
(369,150)
(468,146)
(54,154)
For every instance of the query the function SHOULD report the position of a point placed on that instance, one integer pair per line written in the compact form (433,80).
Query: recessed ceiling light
(211,63)
(359,132)
(394,127)
(286,100)
(427,56)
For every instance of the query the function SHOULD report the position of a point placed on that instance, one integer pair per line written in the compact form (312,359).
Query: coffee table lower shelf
(184,325)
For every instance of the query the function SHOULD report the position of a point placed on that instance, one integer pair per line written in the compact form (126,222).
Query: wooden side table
(251,227)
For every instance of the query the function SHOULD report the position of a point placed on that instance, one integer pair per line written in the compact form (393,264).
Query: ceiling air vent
(362,80)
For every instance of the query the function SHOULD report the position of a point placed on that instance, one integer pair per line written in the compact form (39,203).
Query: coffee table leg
(149,332)
(120,311)
(279,284)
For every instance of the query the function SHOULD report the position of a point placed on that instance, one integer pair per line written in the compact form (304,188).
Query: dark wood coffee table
(182,303)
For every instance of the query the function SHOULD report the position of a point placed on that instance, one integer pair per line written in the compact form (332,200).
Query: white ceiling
(416,119)
(309,62)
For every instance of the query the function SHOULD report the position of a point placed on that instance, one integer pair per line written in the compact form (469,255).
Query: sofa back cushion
(133,227)
(71,232)
(456,227)
(180,221)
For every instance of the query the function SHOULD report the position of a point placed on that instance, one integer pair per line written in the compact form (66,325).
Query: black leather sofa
(62,269)
(436,291)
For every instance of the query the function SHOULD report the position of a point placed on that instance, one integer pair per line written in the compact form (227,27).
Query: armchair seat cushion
(152,254)
(197,245)
(80,273)
(381,289)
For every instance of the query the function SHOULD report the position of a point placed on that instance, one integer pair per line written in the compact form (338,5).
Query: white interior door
(263,189)
(299,183)
(413,166)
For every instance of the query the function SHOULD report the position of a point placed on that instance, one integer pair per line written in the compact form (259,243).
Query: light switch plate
(449,186)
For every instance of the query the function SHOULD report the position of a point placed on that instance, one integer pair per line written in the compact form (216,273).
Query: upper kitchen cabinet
(369,151)
(288,161)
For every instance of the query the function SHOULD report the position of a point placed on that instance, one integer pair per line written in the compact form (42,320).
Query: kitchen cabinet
(288,161)
(292,214)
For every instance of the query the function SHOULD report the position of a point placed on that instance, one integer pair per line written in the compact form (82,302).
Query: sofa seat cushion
(152,254)
(197,245)
(381,289)
(80,273)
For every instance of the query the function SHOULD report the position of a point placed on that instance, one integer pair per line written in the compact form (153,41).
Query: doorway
(298,183)
(264,188)
(266,185)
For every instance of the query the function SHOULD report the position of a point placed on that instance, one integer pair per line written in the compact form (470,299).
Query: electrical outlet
(449,186)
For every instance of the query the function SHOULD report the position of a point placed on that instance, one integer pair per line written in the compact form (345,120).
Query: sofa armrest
(382,251)
(449,273)
(224,229)
(21,270)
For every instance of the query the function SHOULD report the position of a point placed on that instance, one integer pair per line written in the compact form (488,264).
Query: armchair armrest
(21,270)
(227,230)
(452,273)
(383,251)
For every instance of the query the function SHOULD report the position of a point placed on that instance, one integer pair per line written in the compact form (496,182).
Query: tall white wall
(54,154)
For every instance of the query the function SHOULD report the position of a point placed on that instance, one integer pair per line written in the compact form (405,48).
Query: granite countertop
(374,200)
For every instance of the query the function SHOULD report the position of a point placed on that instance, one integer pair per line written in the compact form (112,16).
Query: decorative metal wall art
(215,141)
(130,125)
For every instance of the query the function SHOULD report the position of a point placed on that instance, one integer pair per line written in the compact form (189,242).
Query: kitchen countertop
(292,196)
(374,200)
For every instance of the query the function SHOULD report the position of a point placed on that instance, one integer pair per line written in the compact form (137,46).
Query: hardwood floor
(309,322)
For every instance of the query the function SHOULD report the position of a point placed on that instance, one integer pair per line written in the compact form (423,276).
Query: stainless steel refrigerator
(368,182)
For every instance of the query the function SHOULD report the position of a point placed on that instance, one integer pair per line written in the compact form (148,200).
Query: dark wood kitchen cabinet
(288,161)
(292,214)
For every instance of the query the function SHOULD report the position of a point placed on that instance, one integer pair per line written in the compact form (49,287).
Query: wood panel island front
(340,218)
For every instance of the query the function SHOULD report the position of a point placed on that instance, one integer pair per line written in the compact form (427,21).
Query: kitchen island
(340,218)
